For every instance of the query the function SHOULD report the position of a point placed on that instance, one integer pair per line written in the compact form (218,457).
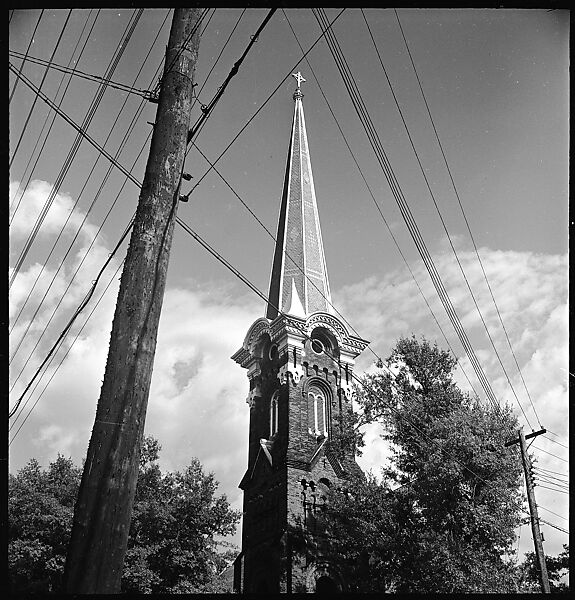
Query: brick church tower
(299,359)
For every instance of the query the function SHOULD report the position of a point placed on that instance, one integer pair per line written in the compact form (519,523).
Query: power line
(75,146)
(464,217)
(27,50)
(100,228)
(74,316)
(550,471)
(40,87)
(550,453)
(552,489)
(146,94)
(382,215)
(554,526)
(218,58)
(118,152)
(556,442)
(13,215)
(363,114)
(264,104)
(553,513)
(221,91)
(61,361)
(208,109)
(83,133)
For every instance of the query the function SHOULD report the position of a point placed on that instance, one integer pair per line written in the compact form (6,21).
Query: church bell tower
(299,360)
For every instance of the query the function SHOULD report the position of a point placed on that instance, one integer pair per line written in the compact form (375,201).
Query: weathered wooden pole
(104,507)
(539,553)
(537,541)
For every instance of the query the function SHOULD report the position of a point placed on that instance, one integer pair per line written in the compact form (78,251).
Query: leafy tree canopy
(557,567)
(172,545)
(443,517)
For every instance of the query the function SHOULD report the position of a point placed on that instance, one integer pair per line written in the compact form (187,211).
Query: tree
(176,518)
(443,517)
(172,544)
(40,510)
(557,567)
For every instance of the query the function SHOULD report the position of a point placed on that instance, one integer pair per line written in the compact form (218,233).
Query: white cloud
(26,206)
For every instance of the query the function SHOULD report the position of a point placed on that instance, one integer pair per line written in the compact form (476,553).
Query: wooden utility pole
(104,506)
(539,554)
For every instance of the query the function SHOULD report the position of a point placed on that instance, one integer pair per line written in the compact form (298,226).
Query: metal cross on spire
(299,79)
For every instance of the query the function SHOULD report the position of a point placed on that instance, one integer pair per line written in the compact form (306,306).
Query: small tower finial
(299,79)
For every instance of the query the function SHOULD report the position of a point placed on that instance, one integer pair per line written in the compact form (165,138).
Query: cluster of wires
(376,145)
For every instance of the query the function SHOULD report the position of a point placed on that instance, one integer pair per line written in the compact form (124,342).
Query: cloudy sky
(496,82)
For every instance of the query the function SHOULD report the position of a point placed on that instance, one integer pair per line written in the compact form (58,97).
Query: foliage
(444,515)
(175,521)
(557,567)
(40,510)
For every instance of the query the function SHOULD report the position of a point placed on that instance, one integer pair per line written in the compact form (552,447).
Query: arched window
(317,411)
(274,414)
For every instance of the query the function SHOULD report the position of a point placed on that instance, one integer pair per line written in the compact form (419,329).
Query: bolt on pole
(103,509)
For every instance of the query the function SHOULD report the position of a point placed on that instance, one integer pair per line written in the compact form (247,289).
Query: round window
(317,346)
(273,353)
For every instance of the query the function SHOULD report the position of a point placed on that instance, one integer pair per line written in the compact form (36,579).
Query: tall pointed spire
(299,282)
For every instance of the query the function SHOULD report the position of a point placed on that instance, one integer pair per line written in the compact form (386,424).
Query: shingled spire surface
(299,283)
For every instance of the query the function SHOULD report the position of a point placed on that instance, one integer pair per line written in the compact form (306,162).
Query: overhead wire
(221,90)
(264,296)
(363,114)
(554,526)
(382,215)
(17,196)
(225,45)
(60,363)
(464,217)
(543,475)
(208,22)
(147,94)
(82,132)
(254,288)
(25,126)
(553,513)
(553,489)
(74,316)
(261,107)
(76,144)
(27,50)
(552,472)
(233,72)
(96,196)
(550,453)
(555,441)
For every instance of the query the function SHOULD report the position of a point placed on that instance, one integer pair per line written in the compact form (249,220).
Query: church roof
(299,285)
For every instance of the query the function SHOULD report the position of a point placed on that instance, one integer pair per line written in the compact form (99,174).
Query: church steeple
(300,369)
(299,283)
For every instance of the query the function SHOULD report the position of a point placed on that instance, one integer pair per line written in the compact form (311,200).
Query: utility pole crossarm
(103,509)
(527,437)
